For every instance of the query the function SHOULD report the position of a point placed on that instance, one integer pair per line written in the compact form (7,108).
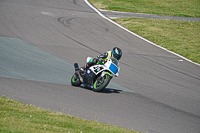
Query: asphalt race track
(156,92)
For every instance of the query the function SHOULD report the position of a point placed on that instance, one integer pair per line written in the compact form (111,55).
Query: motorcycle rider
(115,53)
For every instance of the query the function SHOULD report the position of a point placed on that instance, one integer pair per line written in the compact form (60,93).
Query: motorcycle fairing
(91,73)
(113,68)
(97,69)
(88,77)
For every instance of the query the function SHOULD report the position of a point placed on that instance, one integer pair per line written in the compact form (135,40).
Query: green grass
(182,37)
(20,118)
(186,8)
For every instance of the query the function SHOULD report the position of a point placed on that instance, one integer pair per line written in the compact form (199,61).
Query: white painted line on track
(136,34)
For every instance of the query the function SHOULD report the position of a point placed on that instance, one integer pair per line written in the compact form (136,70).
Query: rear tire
(75,81)
(101,83)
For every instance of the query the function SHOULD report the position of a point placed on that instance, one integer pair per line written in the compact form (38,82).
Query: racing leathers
(99,59)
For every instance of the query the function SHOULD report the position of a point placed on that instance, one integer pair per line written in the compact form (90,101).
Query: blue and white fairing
(112,65)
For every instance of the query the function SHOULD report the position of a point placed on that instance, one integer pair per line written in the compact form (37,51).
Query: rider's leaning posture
(115,53)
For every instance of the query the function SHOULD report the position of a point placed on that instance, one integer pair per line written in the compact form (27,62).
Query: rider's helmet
(116,53)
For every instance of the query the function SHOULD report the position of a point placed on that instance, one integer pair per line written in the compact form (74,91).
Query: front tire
(101,83)
(75,81)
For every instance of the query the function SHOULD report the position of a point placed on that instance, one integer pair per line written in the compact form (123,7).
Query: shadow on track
(106,90)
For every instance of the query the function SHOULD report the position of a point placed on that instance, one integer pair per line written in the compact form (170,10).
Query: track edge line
(86,1)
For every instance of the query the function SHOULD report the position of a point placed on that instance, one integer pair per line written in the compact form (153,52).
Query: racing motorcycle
(97,76)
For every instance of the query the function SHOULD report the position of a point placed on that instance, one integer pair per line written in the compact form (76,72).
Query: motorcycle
(97,76)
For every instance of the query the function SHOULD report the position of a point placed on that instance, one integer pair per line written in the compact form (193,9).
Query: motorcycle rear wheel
(101,83)
(75,81)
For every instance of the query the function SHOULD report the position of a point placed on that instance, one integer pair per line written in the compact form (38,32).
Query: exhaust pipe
(76,66)
(77,71)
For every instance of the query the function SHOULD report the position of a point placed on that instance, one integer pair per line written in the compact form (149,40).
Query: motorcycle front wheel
(101,83)
(75,81)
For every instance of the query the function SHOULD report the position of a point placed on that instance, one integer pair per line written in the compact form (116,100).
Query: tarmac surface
(157,91)
(116,14)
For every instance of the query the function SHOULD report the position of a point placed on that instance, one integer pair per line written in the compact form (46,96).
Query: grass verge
(18,117)
(181,37)
(183,8)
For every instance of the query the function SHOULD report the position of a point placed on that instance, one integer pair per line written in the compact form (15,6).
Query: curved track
(156,91)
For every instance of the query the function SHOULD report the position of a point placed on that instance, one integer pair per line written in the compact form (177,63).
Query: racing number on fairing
(97,69)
